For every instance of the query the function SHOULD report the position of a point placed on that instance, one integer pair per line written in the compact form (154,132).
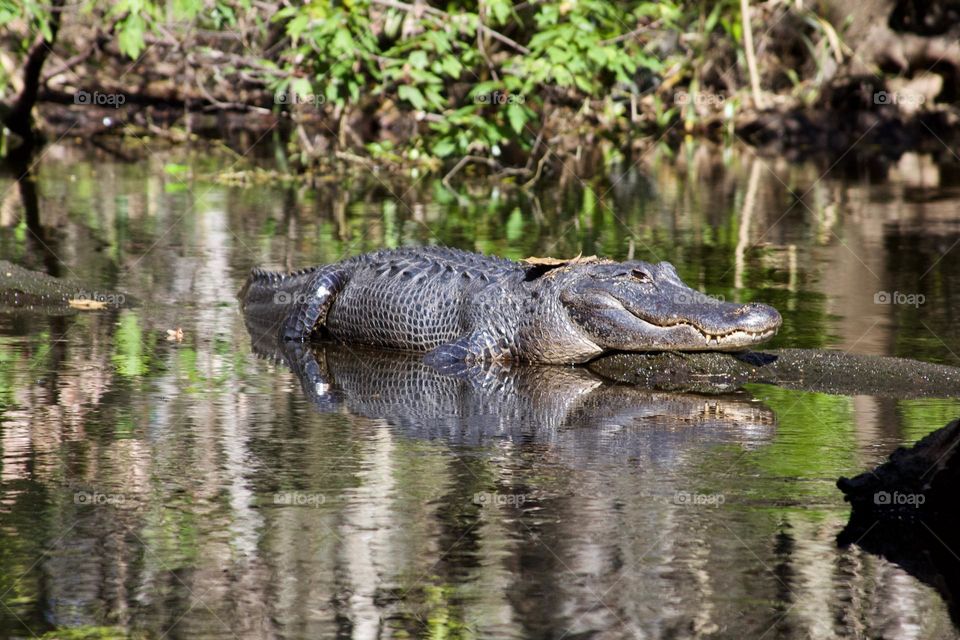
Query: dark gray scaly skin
(463,307)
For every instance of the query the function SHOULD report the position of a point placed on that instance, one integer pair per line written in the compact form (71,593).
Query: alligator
(461,307)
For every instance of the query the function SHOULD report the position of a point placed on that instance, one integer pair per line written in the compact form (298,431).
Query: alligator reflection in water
(567,407)
(905,510)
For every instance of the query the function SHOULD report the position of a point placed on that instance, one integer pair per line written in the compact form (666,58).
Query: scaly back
(413,298)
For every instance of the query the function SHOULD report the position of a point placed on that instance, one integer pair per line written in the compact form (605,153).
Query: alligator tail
(296,304)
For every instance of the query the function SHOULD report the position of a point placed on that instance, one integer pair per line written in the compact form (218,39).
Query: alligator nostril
(749,308)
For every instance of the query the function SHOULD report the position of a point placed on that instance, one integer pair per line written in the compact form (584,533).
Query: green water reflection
(140,475)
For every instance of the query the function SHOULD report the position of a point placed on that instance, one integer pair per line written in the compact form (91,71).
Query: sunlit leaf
(130,36)
(517,117)
(412,95)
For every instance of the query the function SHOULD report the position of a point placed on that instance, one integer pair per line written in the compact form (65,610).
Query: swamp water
(188,488)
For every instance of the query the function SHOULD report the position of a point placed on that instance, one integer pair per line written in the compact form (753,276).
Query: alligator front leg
(473,348)
(309,302)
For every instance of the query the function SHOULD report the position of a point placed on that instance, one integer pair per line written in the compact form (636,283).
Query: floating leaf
(85,304)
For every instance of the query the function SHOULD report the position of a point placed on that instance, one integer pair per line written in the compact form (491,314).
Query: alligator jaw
(755,323)
(735,338)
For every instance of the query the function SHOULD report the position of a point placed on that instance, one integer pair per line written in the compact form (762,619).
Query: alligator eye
(642,276)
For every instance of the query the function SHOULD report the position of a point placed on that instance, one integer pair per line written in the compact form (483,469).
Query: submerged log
(905,511)
(817,370)
(23,290)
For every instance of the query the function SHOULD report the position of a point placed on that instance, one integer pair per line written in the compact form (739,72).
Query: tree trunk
(20,119)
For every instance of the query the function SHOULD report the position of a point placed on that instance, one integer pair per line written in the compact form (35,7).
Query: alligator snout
(748,308)
(759,317)
(741,324)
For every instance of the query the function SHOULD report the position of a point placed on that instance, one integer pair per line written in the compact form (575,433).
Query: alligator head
(638,306)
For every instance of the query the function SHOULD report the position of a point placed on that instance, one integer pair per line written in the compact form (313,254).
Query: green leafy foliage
(341,49)
(466,77)
(480,77)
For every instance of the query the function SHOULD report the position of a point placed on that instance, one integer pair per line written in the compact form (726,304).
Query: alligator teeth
(715,339)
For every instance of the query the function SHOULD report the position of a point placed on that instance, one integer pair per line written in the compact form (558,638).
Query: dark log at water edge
(816,370)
